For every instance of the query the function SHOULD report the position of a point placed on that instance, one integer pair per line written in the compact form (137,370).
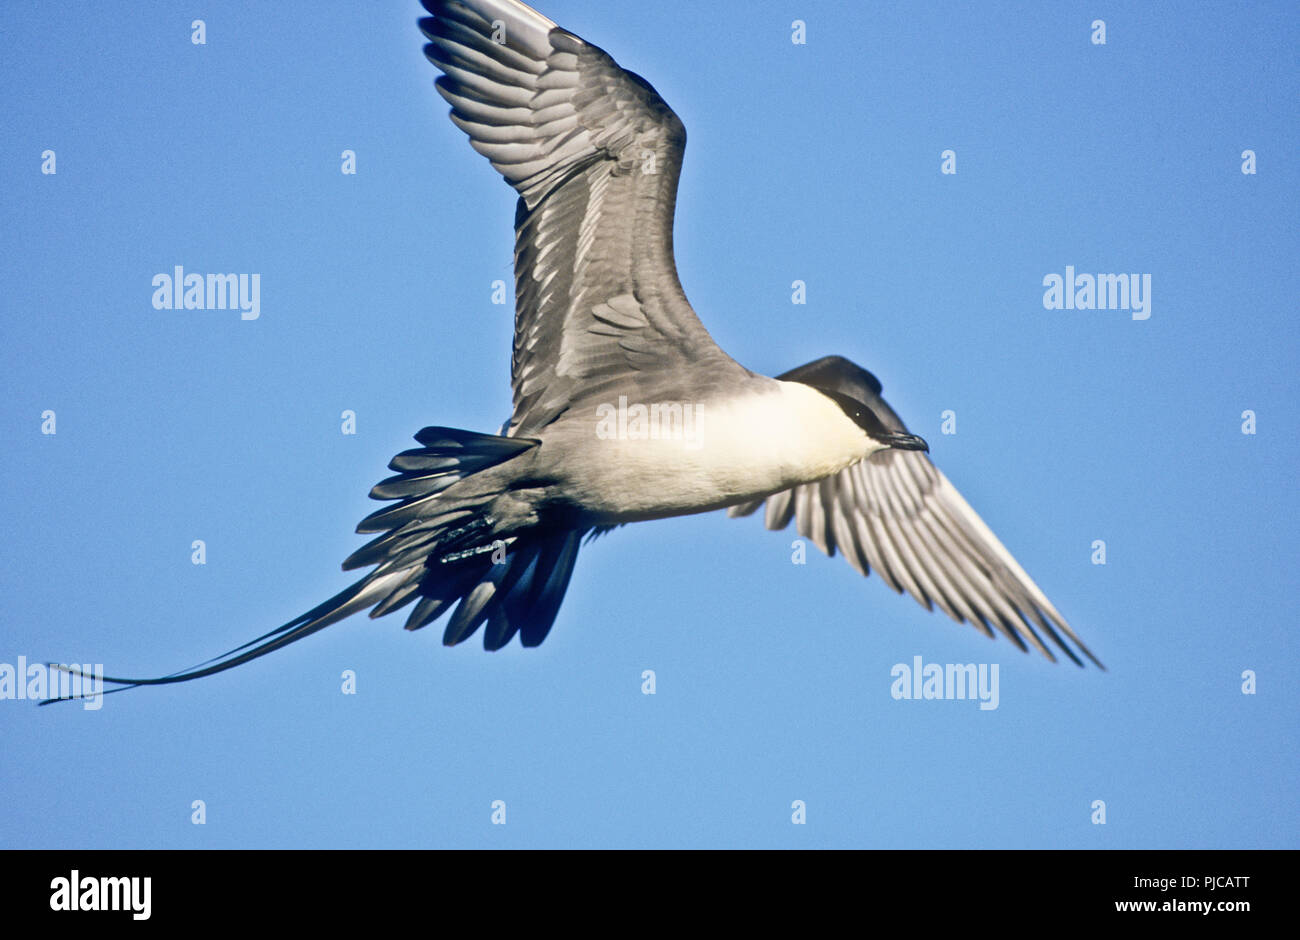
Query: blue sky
(818,162)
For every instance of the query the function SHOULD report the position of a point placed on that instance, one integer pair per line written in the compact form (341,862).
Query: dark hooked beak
(901,441)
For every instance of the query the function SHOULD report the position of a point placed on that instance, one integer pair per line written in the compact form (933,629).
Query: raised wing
(595,155)
(897,513)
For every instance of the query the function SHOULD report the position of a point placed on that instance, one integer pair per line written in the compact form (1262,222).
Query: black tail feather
(341,605)
(437,548)
(521,593)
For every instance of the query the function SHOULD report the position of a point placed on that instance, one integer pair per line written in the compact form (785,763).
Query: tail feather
(347,602)
(440,594)
(501,626)
(422,510)
(521,594)
(438,547)
(552,581)
(471,612)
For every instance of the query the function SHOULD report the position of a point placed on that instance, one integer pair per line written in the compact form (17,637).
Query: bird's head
(857,392)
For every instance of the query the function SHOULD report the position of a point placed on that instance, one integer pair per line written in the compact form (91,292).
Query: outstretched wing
(897,513)
(595,155)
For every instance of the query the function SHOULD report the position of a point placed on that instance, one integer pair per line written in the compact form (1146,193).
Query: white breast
(730,451)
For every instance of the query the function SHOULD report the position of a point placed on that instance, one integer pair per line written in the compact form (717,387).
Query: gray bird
(624,407)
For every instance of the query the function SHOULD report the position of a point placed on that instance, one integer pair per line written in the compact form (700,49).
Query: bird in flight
(624,408)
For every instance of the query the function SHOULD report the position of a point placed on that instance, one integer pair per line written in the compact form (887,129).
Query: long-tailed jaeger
(624,407)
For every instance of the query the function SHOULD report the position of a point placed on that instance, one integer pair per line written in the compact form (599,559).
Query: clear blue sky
(818,162)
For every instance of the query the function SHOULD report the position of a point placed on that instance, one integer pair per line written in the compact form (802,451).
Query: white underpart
(740,449)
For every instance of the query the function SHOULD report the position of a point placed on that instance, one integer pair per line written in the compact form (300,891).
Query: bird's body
(640,460)
(625,409)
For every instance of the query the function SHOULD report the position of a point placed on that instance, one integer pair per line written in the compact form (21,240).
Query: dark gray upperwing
(595,155)
(897,513)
